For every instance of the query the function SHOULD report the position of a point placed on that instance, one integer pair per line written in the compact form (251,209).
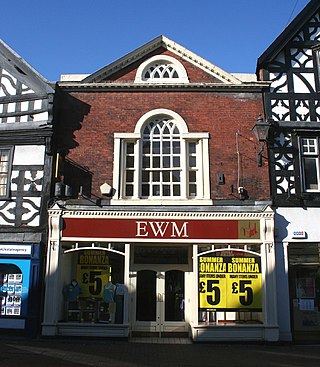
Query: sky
(81,36)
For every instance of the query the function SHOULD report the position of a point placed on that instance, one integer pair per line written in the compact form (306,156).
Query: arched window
(161,69)
(161,160)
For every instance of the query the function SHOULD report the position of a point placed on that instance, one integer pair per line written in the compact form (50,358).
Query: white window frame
(309,154)
(165,61)
(202,154)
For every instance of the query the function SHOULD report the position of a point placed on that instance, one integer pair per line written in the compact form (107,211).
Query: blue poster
(14,287)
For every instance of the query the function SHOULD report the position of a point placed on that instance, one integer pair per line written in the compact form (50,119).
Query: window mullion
(184,169)
(137,169)
(199,157)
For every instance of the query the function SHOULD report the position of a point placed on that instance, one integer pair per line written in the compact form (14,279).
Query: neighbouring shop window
(304,275)
(93,288)
(230,286)
(14,287)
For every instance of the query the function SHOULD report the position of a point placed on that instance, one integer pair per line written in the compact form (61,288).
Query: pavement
(72,352)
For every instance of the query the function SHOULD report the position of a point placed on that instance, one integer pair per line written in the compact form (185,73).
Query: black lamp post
(261,131)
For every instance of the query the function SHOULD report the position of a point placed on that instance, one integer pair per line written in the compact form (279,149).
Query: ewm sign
(139,230)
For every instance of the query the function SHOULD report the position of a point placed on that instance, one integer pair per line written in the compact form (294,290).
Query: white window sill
(150,202)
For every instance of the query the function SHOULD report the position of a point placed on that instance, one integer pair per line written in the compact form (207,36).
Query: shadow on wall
(281,227)
(68,119)
(73,178)
(77,177)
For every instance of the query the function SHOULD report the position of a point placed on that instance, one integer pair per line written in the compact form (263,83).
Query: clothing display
(72,291)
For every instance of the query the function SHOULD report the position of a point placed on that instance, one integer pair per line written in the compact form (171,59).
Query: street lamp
(261,131)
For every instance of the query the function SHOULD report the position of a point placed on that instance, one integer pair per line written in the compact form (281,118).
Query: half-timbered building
(292,108)
(161,221)
(25,177)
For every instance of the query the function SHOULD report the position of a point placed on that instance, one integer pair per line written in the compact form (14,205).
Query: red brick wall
(221,114)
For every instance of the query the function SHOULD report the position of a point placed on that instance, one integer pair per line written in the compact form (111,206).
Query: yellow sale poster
(230,283)
(93,272)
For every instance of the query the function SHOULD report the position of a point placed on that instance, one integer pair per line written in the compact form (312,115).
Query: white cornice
(100,214)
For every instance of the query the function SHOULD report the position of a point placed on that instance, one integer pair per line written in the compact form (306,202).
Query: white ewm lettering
(160,229)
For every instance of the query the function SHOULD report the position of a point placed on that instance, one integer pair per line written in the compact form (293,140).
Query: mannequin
(72,291)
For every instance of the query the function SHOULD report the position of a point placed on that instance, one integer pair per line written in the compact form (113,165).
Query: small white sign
(15,249)
(299,234)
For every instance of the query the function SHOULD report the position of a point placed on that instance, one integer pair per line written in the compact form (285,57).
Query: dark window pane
(156,147)
(176,190)
(192,147)
(146,147)
(166,190)
(166,161)
(130,148)
(192,190)
(129,190)
(166,147)
(192,162)
(176,161)
(176,176)
(310,173)
(176,147)
(156,176)
(129,176)
(145,176)
(156,190)
(166,176)
(129,161)
(146,162)
(145,190)
(192,176)
(156,162)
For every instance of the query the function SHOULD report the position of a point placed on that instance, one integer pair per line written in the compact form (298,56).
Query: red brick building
(161,221)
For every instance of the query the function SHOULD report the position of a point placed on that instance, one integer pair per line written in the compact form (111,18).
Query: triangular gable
(16,66)
(173,47)
(23,91)
(290,31)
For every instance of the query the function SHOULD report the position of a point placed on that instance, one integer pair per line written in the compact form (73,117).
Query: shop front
(206,274)
(19,278)
(298,246)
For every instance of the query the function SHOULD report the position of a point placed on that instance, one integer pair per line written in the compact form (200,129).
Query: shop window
(161,160)
(93,285)
(304,276)
(161,69)
(309,148)
(11,291)
(230,286)
(5,168)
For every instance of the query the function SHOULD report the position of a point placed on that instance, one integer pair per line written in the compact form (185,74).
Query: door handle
(160,297)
